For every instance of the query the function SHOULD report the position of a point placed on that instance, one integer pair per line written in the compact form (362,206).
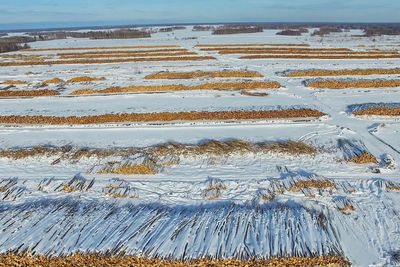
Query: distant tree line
(116,34)
(201,28)
(292,32)
(14,43)
(232,29)
(325,30)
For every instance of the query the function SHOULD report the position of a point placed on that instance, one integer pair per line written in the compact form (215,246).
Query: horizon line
(133,25)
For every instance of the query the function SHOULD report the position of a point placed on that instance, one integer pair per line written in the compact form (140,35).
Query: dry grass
(85,79)
(128,170)
(364,158)
(306,52)
(94,53)
(276,49)
(119,195)
(127,55)
(378,112)
(97,48)
(268,197)
(28,93)
(347,207)
(392,187)
(320,184)
(233,147)
(104,61)
(22,57)
(81,260)
(214,148)
(69,189)
(181,87)
(342,72)
(162,116)
(197,74)
(38,151)
(14,82)
(54,80)
(247,45)
(354,84)
(318,57)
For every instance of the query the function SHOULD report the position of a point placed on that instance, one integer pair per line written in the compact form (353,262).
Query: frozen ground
(170,214)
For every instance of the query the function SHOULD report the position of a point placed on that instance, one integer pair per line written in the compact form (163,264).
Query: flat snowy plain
(170,213)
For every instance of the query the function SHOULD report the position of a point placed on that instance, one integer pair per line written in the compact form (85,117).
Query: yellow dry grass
(306,52)
(119,195)
(268,197)
(81,260)
(105,61)
(162,116)
(342,72)
(247,45)
(69,189)
(128,55)
(170,163)
(320,184)
(14,82)
(181,87)
(392,187)
(28,93)
(354,84)
(108,52)
(214,148)
(347,208)
(129,169)
(364,158)
(378,112)
(54,80)
(277,49)
(85,79)
(97,48)
(319,56)
(197,74)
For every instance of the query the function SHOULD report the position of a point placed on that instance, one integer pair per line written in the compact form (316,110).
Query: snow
(171,217)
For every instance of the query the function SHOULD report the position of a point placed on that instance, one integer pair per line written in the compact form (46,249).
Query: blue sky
(63,13)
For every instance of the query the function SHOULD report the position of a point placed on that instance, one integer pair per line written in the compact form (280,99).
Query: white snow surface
(169,216)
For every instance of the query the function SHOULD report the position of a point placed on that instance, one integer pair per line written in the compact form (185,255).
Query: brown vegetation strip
(266,50)
(322,184)
(123,52)
(54,80)
(318,57)
(85,79)
(181,87)
(378,112)
(197,74)
(129,169)
(102,61)
(28,93)
(212,147)
(245,45)
(162,116)
(79,259)
(14,82)
(364,158)
(354,84)
(97,48)
(131,55)
(323,53)
(342,72)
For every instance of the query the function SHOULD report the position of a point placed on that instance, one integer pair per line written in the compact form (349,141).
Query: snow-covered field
(208,204)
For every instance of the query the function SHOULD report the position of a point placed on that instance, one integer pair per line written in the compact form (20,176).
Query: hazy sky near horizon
(59,13)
